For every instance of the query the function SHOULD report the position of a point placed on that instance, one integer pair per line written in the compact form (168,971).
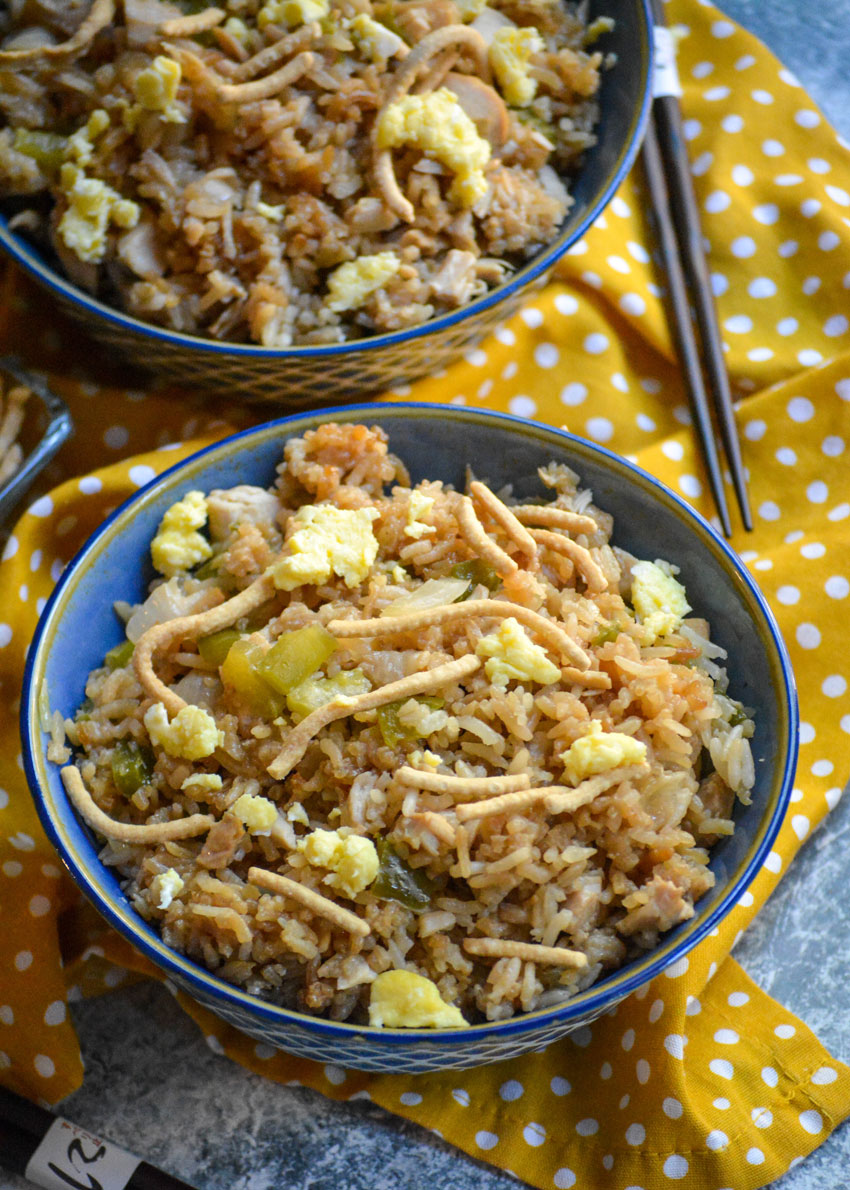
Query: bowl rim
(26,256)
(206,984)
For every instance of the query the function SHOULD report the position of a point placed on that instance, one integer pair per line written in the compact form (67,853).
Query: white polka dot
(675,1167)
(838,195)
(807,119)
(578,249)
(769,511)
(23,960)
(214,1044)
(141,474)
(786,456)
(42,507)
(601,429)
(564,1178)
(755,1156)
(673,450)
(522,406)
(690,486)
(716,1140)
(12,868)
(809,207)
(722,1104)
(772,148)
(672,1108)
(835,326)
(573,393)
(638,252)
(817,492)
(596,343)
(486,1140)
(766,214)
(410,1098)
(788,248)
(46,1067)
(762,1117)
(714,94)
(546,355)
(620,207)
(828,240)
(619,382)
(717,201)
(534,1134)
(787,180)
(335,1075)
(773,863)
(761,287)
(642,1071)
(656,1011)
(532,317)
(39,906)
(608,1161)
(461,1096)
(587,1127)
(565,303)
(839,513)
(264,1052)
(769,1076)
(742,175)
(823,1076)
(635,1134)
(691,128)
(645,423)
(560,1086)
(606,1070)
(7,1016)
(721,1067)
(624,1102)
(632,303)
(807,733)
(722,29)
(837,587)
(726,1037)
(90,484)
(785,1032)
(832,446)
(678,968)
(619,265)
(808,636)
(505,335)
(743,247)
(693,1006)
(511,1090)
(732,123)
(737,999)
(22,841)
(628,1039)
(674,1043)
(763,97)
(116,437)
(834,686)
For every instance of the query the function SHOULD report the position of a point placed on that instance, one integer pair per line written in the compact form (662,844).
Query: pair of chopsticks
(676,217)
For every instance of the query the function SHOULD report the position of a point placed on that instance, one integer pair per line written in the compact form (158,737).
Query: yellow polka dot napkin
(700,1078)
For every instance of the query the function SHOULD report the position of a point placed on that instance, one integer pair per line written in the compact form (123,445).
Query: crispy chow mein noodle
(336,762)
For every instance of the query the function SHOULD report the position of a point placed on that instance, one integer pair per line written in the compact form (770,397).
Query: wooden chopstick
(668,175)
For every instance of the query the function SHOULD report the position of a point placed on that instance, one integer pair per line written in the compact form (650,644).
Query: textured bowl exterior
(78,626)
(299,376)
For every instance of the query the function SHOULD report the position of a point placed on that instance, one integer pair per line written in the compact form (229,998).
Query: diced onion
(434,592)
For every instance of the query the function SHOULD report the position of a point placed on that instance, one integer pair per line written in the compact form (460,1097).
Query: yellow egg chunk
(156,89)
(419,506)
(600,751)
(80,146)
(352,860)
(92,206)
(202,782)
(510,53)
(328,541)
(437,124)
(178,545)
(374,40)
(258,814)
(660,601)
(513,656)
(292,12)
(352,283)
(191,734)
(165,887)
(404,1000)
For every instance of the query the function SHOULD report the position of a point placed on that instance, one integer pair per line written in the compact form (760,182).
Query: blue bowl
(79,625)
(296,376)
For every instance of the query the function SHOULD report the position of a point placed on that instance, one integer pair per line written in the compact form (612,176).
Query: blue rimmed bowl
(298,376)
(79,625)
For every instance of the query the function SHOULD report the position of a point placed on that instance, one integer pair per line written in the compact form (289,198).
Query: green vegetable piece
(208,569)
(607,634)
(295,656)
(313,693)
(46,148)
(392,729)
(397,881)
(215,647)
(84,711)
(738,716)
(132,766)
(120,656)
(476,572)
(240,672)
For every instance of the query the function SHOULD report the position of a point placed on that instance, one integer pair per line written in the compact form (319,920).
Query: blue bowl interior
(79,625)
(624,97)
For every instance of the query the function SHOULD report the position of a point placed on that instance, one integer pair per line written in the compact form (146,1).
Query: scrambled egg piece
(257,813)
(274,214)
(156,89)
(600,751)
(404,1000)
(660,602)
(80,146)
(510,52)
(353,860)
(419,505)
(165,887)
(373,39)
(437,124)
(512,654)
(292,12)
(328,541)
(238,29)
(470,9)
(425,759)
(352,283)
(297,813)
(203,782)
(178,545)
(192,732)
(92,206)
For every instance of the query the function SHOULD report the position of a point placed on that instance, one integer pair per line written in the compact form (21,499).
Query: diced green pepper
(738,716)
(392,729)
(477,573)
(215,647)
(240,671)
(120,656)
(313,693)
(45,148)
(397,881)
(132,766)
(607,634)
(295,656)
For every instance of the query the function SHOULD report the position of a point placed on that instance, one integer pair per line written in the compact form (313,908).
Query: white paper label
(69,1158)
(666,78)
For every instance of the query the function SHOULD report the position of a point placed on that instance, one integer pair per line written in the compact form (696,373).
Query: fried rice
(293,171)
(405,755)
